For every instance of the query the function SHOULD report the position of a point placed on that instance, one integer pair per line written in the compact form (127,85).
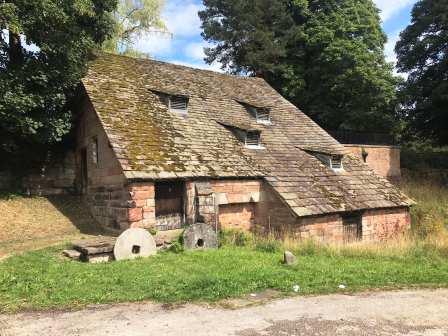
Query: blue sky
(186,44)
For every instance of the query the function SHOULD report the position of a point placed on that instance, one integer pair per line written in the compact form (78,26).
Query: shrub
(235,238)
(176,247)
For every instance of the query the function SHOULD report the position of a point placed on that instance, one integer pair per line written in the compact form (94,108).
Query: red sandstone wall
(237,216)
(384,160)
(327,229)
(378,225)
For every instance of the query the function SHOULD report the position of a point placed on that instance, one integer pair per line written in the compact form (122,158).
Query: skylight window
(178,104)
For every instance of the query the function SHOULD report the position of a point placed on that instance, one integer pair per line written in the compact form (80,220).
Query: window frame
(251,145)
(328,160)
(339,167)
(176,110)
(94,151)
(255,112)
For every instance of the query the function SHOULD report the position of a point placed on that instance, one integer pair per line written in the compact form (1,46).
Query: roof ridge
(150,60)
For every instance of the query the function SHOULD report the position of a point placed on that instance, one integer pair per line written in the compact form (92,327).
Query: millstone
(134,243)
(200,236)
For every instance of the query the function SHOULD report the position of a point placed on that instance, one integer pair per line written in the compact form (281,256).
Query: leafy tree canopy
(133,18)
(326,56)
(44,48)
(423,53)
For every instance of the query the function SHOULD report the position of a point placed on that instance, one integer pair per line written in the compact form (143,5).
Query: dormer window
(331,161)
(252,140)
(178,104)
(336,162)
(261,114)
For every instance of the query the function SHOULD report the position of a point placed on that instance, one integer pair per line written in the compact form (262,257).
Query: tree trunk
(15,49)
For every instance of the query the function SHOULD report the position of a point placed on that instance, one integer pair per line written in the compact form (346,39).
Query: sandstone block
(135,214)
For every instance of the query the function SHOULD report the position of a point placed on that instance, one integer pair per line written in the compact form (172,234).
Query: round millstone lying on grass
(200,236)
(134,243)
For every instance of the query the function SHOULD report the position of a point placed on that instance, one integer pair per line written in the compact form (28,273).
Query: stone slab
(72,254)
(95,246)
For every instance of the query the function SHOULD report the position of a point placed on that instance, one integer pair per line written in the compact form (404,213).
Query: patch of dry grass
(35,222)
(430,214)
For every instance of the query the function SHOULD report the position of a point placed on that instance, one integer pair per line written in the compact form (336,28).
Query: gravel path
(419,312)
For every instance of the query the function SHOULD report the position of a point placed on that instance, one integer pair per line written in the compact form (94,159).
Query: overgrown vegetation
(430,214)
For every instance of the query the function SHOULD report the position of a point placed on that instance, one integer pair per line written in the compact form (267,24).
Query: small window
(178,104)
(336,162)
(261,114)
(253,140)
(95,150)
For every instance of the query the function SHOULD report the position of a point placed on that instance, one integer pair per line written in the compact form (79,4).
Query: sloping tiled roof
(150,142)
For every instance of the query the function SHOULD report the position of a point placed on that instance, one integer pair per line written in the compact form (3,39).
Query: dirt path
(384,313)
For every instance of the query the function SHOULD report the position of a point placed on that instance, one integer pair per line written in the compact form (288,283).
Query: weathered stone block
(289,258)
(135,214)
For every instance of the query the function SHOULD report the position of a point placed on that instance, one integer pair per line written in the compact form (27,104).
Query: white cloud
(195,50)
(391,7)
(155,44)
(389,48)
(181,18)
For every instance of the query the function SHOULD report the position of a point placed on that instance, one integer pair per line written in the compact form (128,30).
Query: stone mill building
(163,146)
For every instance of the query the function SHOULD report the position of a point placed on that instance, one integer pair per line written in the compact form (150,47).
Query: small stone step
(95,246)
(72,254)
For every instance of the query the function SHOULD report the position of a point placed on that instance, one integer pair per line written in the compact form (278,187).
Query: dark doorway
(169,198)
(352,227)
(84,171)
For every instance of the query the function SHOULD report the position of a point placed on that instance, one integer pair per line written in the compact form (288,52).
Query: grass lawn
(44,280)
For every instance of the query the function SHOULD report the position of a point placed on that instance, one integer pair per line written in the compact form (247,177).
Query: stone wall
(240,216)
(105,190)
(237,201)
(384,160)
(107,171)
(272,214)
(55,177)
(327,229)
(379,225)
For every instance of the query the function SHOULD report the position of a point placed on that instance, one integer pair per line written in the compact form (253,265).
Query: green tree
(134,18)
(326,56)
(44,49)
(423,54)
